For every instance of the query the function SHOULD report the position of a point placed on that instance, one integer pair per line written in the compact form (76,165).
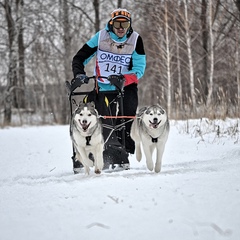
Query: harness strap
(106,117)
(154,140)
(88,139)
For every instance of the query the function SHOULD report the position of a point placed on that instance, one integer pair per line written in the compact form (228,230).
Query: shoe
(77,166)
(115,156)
(125,166)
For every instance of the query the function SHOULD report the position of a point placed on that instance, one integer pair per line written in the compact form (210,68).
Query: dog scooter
(112,116)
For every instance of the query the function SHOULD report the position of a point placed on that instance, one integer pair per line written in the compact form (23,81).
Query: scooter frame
(73,91)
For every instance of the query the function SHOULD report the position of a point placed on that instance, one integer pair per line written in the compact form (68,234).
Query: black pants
(130,103)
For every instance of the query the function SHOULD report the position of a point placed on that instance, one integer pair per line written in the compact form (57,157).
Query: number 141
(114,69)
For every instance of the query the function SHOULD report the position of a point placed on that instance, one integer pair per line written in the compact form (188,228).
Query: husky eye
(81,114)
(89,114)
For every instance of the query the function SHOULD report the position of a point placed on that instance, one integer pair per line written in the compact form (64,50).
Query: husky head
(154,116)
(85,116)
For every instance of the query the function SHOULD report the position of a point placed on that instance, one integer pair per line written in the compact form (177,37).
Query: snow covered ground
(196,196)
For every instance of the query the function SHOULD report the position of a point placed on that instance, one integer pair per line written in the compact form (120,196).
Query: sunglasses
(119,25)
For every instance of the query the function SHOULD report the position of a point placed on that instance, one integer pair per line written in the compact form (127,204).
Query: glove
(82,78)
(78,81)
(130,78)
(115,78)
(117,81)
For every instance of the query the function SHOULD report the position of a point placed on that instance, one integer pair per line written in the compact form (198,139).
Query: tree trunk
(179,91)
(169,85)
(210,86)
(97,19)
(190,60)
(14,93)
(7,108)
(21,57)
(238,68)
(205,50)
(119,3)
(67,63)
(12,69)
(237,2)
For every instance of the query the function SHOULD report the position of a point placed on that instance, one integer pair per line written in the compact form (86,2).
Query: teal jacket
(87,52)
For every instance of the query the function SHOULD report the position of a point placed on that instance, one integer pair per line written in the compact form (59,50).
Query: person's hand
(82,78)
(115,78)
(117,81)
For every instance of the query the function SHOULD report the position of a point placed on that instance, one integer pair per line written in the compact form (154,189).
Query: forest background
(192,48)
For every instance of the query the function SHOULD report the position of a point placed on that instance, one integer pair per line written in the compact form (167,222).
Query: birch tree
(210,22)
(237,61)
(15,76)
(190,59)
(179,75)
(168,59)
(205,48)
(66,59)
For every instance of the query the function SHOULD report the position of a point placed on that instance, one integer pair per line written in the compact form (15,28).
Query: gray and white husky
(151,128)
(86,135)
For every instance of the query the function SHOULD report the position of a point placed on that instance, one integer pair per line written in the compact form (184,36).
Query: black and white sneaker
(77,167)
(125,166)
(115,158)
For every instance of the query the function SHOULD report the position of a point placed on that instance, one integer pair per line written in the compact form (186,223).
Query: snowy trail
(196,196)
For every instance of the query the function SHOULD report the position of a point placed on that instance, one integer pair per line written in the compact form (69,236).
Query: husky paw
(87,170)
(97,171)
(157,168)
(138,155)
(150,166)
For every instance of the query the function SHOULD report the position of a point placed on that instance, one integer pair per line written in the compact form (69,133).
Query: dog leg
(134,133)
(87,163)
(138,151)
(98,157)
(79,158)
(148,154)
(160,150)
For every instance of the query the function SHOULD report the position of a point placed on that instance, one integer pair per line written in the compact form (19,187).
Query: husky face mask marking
(85,117)
(154,116)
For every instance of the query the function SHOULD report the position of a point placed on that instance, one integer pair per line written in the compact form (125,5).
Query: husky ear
(91,105)
(162,110)
(142,111)
(81,104)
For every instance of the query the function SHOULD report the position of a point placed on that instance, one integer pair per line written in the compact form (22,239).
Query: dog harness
(88,139)
(154,140)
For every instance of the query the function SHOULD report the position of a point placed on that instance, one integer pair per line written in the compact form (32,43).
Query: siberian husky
(87,138)
(151,127)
